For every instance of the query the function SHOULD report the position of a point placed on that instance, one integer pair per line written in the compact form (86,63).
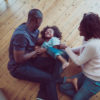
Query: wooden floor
(66,14)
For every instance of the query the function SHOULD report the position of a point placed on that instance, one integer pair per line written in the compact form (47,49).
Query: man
(24,62)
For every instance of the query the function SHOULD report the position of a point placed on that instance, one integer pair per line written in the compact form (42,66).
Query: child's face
(49,33)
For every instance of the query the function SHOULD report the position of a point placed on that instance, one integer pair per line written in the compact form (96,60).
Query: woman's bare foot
(65,64)
(75,83)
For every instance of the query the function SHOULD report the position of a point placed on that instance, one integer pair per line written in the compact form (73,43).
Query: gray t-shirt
(21,39)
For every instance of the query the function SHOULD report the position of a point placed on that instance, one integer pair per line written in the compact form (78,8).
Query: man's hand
(34,54)
(40,50)
(20,56)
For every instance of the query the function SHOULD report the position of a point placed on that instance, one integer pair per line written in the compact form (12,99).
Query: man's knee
(48,79)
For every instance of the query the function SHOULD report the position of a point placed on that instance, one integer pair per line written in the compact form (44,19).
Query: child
(52,36)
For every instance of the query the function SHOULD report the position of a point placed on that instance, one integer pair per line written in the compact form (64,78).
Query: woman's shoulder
(93,44)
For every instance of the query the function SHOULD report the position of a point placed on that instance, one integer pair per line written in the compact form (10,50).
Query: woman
(88,82)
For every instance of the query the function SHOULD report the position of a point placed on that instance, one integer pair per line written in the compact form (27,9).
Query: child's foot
(75,81)
(66,64)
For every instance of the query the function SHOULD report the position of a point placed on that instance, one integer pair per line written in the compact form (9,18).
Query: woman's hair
(90,26)
(57,32)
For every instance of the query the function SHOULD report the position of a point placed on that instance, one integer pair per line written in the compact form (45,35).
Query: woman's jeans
(87,88)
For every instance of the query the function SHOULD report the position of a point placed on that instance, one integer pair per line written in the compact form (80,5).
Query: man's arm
(20,56)
(20,44)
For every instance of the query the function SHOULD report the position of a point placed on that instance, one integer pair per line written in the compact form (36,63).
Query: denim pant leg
(88,89)
(33,74)
(55,52)
(68,88)
(57,72)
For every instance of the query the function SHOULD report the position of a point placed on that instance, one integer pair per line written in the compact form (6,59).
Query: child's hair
(57,32)
(90,26)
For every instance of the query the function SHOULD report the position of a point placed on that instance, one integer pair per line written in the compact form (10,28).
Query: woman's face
(80,30)
(49,33)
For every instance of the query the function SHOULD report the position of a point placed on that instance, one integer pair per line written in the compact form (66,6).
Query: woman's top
(89,58)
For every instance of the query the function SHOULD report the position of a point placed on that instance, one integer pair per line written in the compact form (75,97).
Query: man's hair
(34,14)
(57,32)
(90,26)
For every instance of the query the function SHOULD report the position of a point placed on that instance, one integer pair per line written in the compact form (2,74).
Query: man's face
(38,23)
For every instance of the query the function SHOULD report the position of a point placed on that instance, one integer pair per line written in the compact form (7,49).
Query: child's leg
(57,54)
(63,60)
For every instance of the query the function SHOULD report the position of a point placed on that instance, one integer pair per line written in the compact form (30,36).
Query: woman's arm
(87,54)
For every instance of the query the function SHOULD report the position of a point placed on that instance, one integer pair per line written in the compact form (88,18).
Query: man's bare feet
(75,83)
(66,64)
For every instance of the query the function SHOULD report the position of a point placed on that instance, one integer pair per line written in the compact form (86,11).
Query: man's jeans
(42,70)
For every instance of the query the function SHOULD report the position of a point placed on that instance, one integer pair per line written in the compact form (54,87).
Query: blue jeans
(53,52)
(42,70)
(87,88)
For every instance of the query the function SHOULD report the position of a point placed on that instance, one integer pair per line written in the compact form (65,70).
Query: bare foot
(75,81)
(66,64)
